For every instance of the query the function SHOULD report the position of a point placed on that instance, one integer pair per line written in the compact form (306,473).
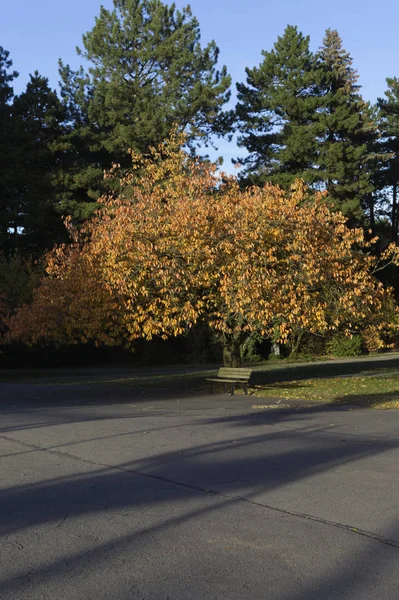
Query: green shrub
(255,349)
(312,345)
(343,345)
(274,357)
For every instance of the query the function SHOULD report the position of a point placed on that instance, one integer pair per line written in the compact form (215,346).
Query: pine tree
(6,150)
(147,73)
(38,118)
(389,173)
(276,110)
(346,131)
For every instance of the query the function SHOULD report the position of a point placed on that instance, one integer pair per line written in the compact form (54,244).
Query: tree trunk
(296,342)
(231,352)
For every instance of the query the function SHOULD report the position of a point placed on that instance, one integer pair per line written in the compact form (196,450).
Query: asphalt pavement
(117,493)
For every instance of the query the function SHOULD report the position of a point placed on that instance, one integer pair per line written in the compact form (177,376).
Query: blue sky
(38,33)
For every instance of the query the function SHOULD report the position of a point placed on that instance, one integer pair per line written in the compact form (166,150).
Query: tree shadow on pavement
(365,400)
(151,497)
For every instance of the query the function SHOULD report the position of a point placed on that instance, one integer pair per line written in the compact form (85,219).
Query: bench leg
(245,386)
(233,385)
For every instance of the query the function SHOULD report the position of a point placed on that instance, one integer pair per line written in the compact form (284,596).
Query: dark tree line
(300,114)
(147,72)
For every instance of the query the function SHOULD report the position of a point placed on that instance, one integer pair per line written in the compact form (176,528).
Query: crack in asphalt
(304,516)
(62,521)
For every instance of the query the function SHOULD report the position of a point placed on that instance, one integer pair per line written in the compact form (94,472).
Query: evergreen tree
(346,131)
(389,173)
(378,157)
(7,175)
(38,117)
(275,113)
(302,116)
(147,72)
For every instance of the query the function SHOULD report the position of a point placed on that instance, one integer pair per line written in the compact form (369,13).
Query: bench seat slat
(234,370)
(227,380)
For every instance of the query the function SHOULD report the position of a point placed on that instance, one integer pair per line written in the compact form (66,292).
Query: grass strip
(370,391)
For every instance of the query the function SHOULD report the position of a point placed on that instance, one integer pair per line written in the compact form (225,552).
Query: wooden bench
(227,375)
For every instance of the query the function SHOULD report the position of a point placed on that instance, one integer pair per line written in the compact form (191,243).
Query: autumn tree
(181,244)
(147,72)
